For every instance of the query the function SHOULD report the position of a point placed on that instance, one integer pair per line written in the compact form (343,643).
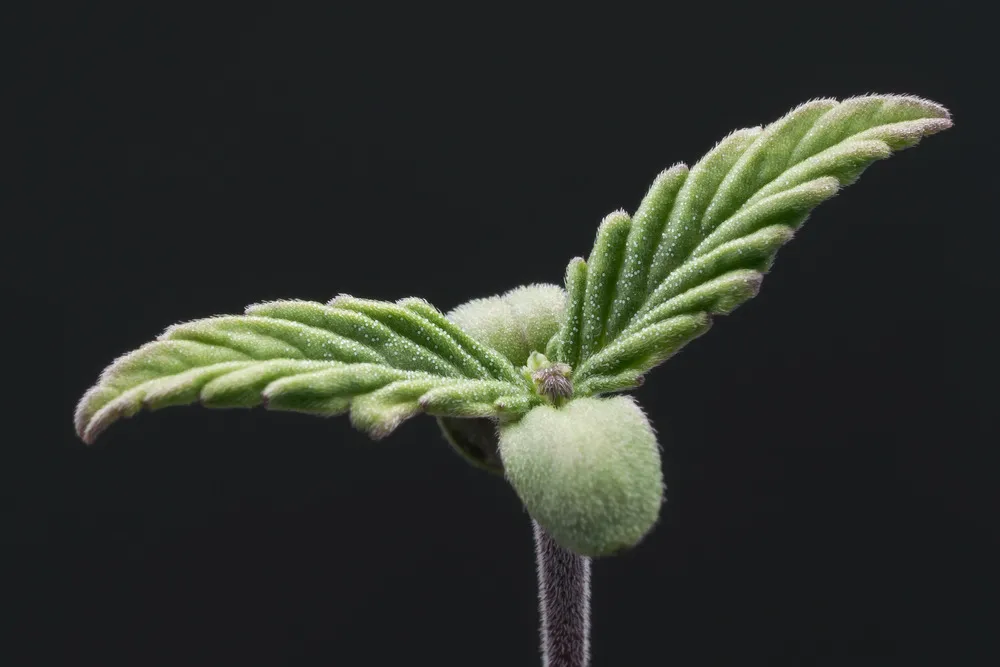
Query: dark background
(829,448)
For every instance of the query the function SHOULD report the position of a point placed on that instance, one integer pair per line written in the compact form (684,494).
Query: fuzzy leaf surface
(382,362)
(703,238)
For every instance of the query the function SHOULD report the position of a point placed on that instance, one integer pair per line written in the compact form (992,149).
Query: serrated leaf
(565,345)
(701,240)
(602,275)
(385,362)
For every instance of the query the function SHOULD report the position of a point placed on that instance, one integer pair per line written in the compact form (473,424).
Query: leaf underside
(382,362)
(703,238)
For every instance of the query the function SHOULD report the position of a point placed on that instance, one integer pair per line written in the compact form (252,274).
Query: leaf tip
(90,425)
(81,416)
(940,124)
(930,107)
(614,219)
(339,299)
(382,428)
(746,132)
(409,301)
(97,409)
(674,169)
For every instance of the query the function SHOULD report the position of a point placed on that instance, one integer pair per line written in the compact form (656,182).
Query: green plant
(518,382)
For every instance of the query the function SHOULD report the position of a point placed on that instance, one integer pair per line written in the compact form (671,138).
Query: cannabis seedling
(519,382)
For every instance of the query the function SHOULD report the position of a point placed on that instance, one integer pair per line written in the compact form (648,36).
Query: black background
(828,448)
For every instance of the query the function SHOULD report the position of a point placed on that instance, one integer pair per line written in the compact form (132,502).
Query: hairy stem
(564,603)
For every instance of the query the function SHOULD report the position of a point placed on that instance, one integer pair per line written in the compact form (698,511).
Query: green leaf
(515,323)
(702,239)
(475,440)
(565,345)
(588,472)
(383,362)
